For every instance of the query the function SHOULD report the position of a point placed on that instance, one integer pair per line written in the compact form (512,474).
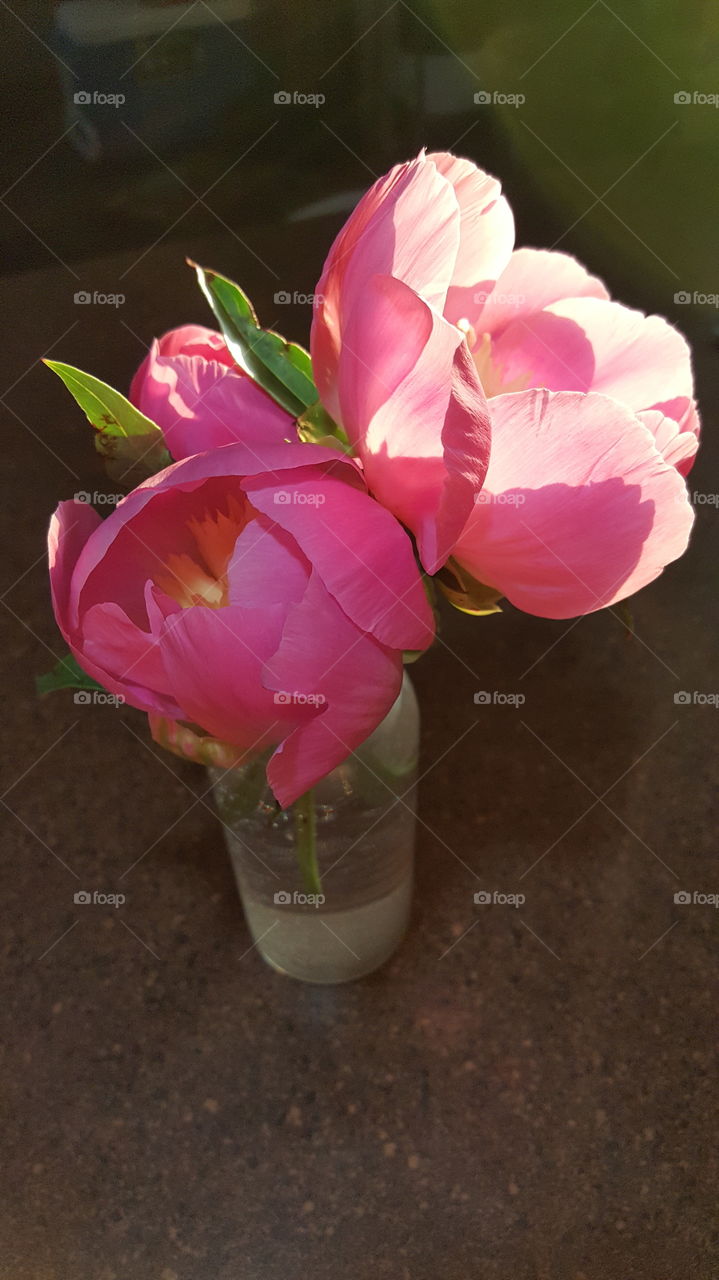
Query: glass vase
(347,917)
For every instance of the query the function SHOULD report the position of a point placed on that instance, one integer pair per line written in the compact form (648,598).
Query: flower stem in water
(306,841)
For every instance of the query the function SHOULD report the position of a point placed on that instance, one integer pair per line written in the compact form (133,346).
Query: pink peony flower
(190,386)
(589,404)
(267,601)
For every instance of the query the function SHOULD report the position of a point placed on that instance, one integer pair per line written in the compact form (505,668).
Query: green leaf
(315,426)
(465,592)
(66,675)
(133,444)
(283,369)
(131,459)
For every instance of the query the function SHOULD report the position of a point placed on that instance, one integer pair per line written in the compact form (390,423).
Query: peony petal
(357,678)
(532,280)
(677,447)
(543,350)
(70,527)
(407,225)
(579,508)
(684,412)
(413,406)
(486,235)
(128,658)
(214,660)
(639,359)
(187,340)
(361,553)
(170,492)
(267,567)
(200,405)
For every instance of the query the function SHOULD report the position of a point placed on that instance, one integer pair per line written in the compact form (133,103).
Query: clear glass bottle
(364,813)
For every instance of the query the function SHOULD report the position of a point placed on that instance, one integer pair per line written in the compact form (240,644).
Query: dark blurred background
(130,124)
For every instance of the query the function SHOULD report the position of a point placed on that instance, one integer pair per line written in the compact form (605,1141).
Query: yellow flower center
(201,578)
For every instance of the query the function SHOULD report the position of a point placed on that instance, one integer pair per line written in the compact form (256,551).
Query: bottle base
(328,948)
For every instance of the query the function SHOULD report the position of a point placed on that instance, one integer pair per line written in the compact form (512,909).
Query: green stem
(306,841)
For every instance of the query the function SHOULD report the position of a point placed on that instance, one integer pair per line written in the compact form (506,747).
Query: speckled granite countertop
(526,1094)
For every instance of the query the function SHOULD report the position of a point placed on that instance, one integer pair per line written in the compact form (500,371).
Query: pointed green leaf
(68,674)
(107,410)
(133,444)
(283,369)
(315,426)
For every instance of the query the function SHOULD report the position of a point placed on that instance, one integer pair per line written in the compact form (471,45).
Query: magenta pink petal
(70,527)
(200,405)
(267,567)
(359,550)
(168,517)
(579,508)
(187,340)
(214,660)
(355,677)
(128,659)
